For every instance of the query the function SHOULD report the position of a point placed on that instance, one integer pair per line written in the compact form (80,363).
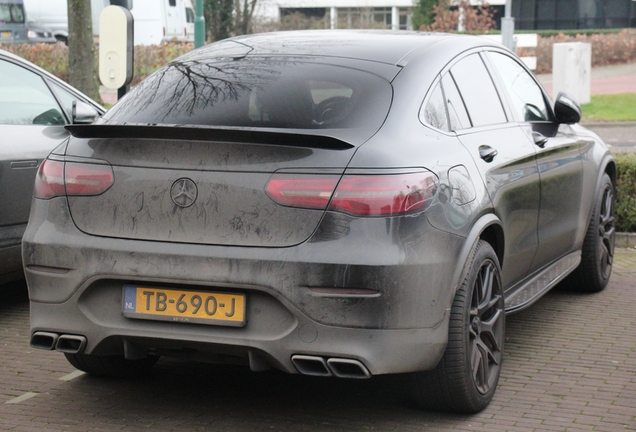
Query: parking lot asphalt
(569,365)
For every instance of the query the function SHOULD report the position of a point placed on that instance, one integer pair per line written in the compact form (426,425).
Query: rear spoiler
(250,136)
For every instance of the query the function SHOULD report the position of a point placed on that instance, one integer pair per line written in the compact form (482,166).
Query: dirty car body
(324,203)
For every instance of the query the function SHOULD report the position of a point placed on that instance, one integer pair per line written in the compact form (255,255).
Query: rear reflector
(358,195)
(57,178)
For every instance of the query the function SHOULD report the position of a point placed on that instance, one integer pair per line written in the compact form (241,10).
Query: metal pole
(199,26)
(508,28)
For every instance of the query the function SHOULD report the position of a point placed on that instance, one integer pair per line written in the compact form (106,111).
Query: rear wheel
(466,378)
(111,366)
(597,256)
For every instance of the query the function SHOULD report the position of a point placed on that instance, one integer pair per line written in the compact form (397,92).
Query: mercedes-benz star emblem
(183,192)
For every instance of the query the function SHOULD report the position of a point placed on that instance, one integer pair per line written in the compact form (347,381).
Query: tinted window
(456,110)
(478,91)
(256,92)
(434,113)
(25,98)
(526,96)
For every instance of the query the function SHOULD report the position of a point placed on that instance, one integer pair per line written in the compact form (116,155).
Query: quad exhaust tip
(71,344)
(339,367)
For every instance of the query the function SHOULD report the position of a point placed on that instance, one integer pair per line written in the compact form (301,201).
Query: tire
(466,377)
(597,255)
(115,366)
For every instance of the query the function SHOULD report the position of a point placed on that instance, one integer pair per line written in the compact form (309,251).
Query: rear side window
(256,92)
(434,112)
(478,91)
(457,113)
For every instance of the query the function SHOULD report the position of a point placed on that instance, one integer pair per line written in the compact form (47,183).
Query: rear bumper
(399,323)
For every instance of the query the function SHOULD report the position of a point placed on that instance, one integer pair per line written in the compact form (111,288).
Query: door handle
(24,164)
(487,153)
(539,139)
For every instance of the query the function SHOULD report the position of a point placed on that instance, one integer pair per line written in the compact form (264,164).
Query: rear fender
(473,237)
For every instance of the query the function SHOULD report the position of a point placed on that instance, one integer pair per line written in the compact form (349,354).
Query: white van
(159,21)
(156,21)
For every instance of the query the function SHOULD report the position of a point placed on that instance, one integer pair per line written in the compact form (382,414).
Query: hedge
(626,192)
(54,57)
(607,48)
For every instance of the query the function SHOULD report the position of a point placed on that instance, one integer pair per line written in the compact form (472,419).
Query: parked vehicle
(34,107)
(16,26)
(163,21)
(155,21)
(329,203)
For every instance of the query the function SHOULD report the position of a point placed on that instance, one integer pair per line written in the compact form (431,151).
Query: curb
(609,124)
(625,240)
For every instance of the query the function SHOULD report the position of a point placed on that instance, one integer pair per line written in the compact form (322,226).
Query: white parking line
(71,376)
(27,395)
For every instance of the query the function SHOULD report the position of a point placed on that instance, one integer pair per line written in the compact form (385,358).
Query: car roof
(390,47)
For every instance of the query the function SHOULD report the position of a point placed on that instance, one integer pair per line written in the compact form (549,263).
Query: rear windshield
(11,13)
(256,92)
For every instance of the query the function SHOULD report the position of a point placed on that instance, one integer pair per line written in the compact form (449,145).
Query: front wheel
(593,273)
(466,378)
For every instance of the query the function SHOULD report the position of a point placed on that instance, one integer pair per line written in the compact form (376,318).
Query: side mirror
(83,113)
(566,109)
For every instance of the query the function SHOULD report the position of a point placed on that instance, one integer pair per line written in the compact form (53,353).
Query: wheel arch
(487,228)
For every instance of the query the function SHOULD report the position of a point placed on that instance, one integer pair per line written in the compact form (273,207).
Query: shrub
(54,57)
(626,192)
(607,48)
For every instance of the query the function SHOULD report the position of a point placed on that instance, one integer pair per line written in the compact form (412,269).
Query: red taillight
(87,179)
(57,178)
(49,181)
(384,195)
(305,191)
(358,195)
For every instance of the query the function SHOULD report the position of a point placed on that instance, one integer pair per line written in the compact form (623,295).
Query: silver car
(34,108)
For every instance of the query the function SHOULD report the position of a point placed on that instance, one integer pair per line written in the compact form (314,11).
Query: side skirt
(530,290)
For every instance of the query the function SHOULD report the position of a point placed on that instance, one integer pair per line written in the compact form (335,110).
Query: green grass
(610,108)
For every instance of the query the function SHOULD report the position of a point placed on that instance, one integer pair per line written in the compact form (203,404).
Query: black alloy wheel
(593,273)
(466,378)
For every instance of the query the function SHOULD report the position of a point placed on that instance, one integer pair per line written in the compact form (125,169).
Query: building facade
(396,14)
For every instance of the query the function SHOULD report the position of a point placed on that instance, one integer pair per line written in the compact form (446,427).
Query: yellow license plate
(198,307)
(5,35)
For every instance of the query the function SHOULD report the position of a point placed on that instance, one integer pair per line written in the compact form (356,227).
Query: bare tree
(82,69)
(226,18)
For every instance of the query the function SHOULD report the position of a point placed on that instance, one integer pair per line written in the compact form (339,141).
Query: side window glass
(65,98)
(478,91)
(456,109)
(526,96)
(25,98)
(434,112)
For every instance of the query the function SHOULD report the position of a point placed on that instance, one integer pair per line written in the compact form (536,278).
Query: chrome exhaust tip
(44,340)
(348,368)
(311,365)
(71,344)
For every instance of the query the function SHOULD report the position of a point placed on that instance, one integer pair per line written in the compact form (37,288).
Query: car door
(558,159)
(31,125)
(504,155)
